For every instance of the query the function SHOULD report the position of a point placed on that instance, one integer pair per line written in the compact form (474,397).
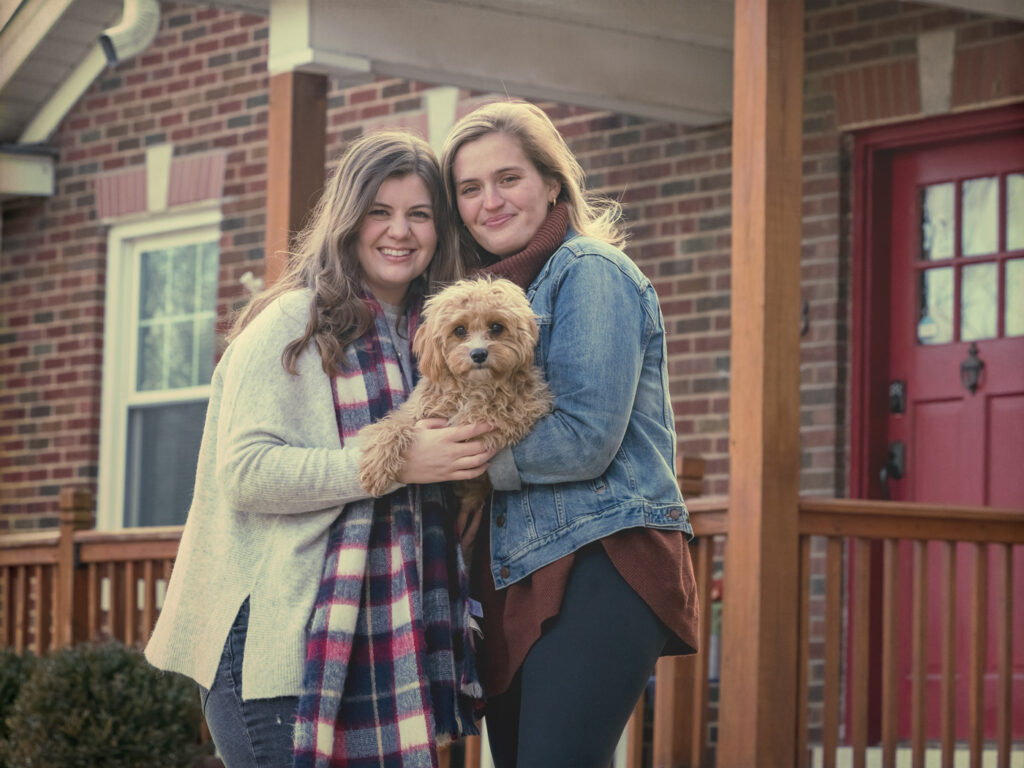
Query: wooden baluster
(7,616)
(918,667)
(948,715)
(698,665)
(804,654)
(20,608)
(35,614)
(860,662)
(1004,690)
(635,736)
(54,624)
(833,627)
(890,603)
(43,593)
(148,599)
(93,586)
(115,617)
(976,661)
(131,604)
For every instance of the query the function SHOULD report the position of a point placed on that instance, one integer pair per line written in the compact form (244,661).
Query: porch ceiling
(663,59)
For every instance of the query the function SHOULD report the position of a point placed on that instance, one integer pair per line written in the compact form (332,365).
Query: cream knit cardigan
(271,478)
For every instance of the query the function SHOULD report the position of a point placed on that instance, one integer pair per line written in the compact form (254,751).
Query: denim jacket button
(500,521)
(674,514)
(503,572)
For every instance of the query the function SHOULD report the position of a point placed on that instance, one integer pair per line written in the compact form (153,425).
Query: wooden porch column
(296,138)
(757,711)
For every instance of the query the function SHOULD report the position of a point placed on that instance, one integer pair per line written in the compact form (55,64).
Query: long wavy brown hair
(589,213)
(324,259)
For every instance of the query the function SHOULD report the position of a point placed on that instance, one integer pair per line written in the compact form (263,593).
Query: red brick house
(116,282)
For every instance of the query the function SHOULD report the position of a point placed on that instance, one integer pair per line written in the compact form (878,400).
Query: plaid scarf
(389,672)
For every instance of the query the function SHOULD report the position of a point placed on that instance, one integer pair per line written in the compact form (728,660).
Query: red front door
(956,374)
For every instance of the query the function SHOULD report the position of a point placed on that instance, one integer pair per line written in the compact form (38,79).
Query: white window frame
(125,241)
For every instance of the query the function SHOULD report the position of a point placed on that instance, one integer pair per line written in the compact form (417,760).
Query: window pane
(151,358)
(205,349)
(177,311)
(937,222)
(1015,297)
(208,270)
(163,447)
(936,323)
(152,285)
(979,300)
(183,280)
(180,365)
(980,223)
(1015,212)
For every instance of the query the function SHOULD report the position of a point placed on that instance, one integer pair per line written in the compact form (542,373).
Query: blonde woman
(278,510)
(587,578)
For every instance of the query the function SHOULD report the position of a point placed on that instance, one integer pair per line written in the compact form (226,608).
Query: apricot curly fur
(489,319)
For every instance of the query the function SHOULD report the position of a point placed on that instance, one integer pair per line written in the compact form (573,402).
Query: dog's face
(476,329)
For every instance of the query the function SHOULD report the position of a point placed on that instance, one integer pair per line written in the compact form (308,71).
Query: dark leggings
(572,697)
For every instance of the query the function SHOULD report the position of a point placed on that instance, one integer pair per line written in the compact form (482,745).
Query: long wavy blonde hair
(325,260)
(589,214)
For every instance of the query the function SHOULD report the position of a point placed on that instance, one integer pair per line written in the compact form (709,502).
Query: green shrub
(96,706)
(14,668)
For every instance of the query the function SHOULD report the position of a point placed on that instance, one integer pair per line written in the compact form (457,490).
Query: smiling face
(396,238)
(502,197)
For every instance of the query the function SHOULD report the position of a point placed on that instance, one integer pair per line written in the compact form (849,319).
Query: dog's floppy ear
(427,347)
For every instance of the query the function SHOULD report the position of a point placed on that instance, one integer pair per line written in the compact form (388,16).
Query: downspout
(138,27)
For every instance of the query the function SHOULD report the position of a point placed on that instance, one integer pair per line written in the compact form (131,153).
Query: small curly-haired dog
(475,349)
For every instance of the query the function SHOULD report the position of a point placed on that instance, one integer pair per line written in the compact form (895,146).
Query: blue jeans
(248,734)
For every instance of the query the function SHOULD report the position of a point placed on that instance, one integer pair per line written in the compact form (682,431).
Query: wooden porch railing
(73,584)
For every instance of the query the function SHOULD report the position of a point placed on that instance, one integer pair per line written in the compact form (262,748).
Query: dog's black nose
(478,355)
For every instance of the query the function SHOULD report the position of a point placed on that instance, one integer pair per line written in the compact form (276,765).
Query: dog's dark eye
(460,331)
(496,329)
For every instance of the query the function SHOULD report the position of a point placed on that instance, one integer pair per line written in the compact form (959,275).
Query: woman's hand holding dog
(439,453)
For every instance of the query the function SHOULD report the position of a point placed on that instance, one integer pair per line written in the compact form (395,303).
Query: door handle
(895,466)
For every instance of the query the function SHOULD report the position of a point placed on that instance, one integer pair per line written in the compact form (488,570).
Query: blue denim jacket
(604,459)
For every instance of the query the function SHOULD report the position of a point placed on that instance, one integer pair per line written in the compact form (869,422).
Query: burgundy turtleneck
(522,267)
(655,563)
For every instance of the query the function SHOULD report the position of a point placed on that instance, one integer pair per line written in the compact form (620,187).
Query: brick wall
(202,86)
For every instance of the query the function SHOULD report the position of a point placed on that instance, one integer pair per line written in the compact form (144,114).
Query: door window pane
(163,447)
(979,300)
(980,216)
(937,222)
(1015,297)
(1015,212)
(935,325)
